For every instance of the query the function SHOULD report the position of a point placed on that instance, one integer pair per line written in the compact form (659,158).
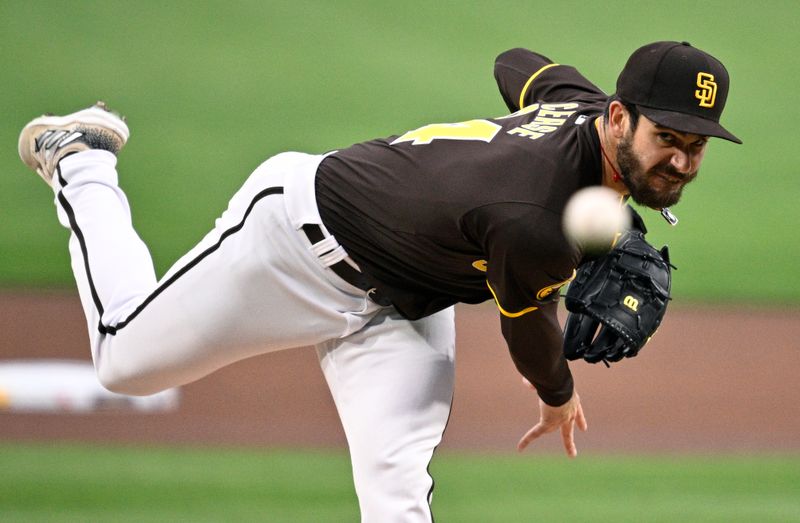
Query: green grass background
(211,89)
(117,484)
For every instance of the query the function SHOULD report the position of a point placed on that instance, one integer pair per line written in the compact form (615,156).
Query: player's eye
(666,138)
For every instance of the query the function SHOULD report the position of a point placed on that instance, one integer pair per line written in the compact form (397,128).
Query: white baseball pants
(253,285)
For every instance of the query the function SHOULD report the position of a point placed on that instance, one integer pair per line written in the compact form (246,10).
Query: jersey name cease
(549,117)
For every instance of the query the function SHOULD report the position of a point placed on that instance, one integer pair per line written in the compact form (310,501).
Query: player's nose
(681,161)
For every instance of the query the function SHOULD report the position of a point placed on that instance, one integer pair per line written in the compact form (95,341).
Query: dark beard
(636,179)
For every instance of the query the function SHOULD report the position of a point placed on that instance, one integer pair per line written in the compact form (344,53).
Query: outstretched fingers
(568,437)
(568,431)
(564,417)
(538,430)
(581,419)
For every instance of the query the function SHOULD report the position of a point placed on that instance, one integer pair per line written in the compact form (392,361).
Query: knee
(126,381)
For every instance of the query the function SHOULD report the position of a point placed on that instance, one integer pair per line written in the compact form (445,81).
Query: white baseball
(593,217)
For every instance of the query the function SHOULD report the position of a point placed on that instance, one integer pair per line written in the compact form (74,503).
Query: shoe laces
(56,139)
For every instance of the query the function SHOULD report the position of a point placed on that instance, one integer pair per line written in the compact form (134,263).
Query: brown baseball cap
(677,86)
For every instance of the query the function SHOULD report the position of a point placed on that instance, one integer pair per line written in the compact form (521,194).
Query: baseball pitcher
(362,253)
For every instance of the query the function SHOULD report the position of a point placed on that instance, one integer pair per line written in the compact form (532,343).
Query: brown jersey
(471,211)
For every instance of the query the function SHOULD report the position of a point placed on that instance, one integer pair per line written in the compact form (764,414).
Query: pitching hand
(551,418)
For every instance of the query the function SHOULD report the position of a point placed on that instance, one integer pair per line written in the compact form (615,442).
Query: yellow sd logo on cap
(708,89)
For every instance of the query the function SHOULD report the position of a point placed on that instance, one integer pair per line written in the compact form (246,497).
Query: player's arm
(525,77)
(513,71)
(534,342)
(529,260)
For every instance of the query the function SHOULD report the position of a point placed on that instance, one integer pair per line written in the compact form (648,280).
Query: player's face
(656,162)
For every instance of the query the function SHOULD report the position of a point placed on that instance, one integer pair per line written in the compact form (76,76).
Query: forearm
(534,341)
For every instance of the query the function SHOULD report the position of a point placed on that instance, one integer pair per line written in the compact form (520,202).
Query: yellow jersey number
(479,130)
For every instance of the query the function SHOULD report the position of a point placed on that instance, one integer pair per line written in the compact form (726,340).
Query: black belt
(344,270)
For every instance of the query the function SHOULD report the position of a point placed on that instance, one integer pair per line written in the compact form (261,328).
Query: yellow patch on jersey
(550,289)
(481,265)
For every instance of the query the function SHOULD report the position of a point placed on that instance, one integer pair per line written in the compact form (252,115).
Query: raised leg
(250,286)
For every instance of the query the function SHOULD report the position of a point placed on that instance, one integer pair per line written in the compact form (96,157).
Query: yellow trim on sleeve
(620,233)
(530,81)
(505,312)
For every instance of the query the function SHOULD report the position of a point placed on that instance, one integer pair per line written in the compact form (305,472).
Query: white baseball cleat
(46,140)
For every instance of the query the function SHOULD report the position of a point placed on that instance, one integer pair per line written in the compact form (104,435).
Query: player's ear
(618,119)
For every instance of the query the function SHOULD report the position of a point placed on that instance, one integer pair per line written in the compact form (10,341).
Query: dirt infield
(711,380)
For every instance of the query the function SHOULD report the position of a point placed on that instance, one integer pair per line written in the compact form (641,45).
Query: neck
(611,176)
